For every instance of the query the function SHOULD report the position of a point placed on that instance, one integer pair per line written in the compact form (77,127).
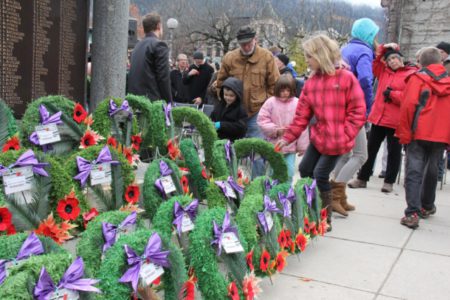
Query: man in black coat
(197,78)
(149,71)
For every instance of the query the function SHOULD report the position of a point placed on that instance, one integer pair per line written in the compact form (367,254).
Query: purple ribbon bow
(45,120)
(287,201)
(220,230)
(152,253)
(110,230)
(236,187)
(31,246)
(179,210)
(85,166)
(167,108)
(228,150)
(164,170)
(27,159)
(71,280)
(310,191)
(269,185)
(113,109)
(271,207)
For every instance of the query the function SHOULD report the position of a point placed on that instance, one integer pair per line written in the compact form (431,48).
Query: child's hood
(235,85)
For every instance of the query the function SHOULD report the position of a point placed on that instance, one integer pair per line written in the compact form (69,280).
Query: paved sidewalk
(369,255)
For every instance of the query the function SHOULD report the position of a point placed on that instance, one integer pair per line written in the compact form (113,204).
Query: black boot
(327,198)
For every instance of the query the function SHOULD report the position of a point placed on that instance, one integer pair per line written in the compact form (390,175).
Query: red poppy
(301,241)
(306,225)
(87,140)
(136,141)
(323,214)
(323,227)
(5,218)
(89,216)
(249,259)
(291,246)
(128,154)
(185,184)
(68,208)
(287,232)
(174,151)
(132,194)
(233,292)
(204,175)
(79,114)
(313,229)
(282,240)
(264,261)
(11,144)
(187,291)
(281,260)
(11,230)
(112,142)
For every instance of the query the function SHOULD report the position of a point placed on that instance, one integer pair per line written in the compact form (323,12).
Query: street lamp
(172,24)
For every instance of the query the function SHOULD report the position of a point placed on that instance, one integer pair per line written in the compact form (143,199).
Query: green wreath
(152,197)
(6,118)
(49,190)
(159,131)
(250,146)
(204,126)
(142,109)
(109,126)
(198,182)
(91,243)
(70,136)
(213,285)
(295,222)
(122,176)
(313,212)
(214,195)
(250,228)
(115,265)
(220,166)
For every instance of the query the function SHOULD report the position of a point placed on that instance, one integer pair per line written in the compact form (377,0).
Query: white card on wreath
(201,155)
(125,230)
(289,207)
(269,219)
(47,134)
(100,174)
(149,272)
(168,185)
(231,243)
(186,223)
(18,180)
(65,294)
(229,192)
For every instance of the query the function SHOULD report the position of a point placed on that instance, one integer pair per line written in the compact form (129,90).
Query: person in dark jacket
(197,78)
(282,61)
(149,70)
(180,91)
(229,116)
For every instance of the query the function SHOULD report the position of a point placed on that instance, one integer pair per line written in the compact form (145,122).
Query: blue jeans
(289,158)
(253,131)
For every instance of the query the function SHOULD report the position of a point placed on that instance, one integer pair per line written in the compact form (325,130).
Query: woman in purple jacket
(359,55)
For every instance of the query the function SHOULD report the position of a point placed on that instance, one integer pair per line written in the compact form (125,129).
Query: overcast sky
(372,3)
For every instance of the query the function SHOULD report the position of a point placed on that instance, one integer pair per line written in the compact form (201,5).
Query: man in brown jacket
(256,68)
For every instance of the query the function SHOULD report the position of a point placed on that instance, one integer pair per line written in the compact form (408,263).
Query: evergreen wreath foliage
(115,265)
(9,125)
(159,131)
(213,285)
(91,243)
(70,134)
(192,161)
(152,197)
(313,212)
(47,192)
(214,195)
(11,244)
(295,222)
(250,146)
(202,124)
(122,176)
(142,108)
(220,166)
(108,126)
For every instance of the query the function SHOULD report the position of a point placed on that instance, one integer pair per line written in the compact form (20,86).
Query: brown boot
(326,203)
(336,190)
(343,199)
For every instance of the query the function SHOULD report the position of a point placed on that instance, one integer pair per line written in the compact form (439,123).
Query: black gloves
(387,95)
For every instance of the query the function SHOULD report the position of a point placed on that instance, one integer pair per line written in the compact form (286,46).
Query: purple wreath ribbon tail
(110,230)
(154,253)
(310,192)
(179,211)
(291,195)
(105,156)
(159,186)
(84,169)
(286,205)
(220,230)
(164,168)
(3,270)
(112,107)
(44,286)
(34,138)
(31,246)
(73,278)
(222,186)
(167,109)
(262,219)
(235,186)
(270,206)
(28,159)
(228,150)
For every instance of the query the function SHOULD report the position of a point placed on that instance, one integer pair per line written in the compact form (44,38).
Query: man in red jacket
(425,127)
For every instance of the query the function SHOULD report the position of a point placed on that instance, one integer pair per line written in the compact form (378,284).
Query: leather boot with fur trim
(347,206)
(336,189)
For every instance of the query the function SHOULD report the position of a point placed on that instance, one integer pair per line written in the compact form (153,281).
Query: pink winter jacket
(275,114)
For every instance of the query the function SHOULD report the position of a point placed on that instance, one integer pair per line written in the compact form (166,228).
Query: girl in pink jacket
(277,114)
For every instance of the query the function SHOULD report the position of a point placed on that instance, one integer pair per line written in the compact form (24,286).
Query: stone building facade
(417,23)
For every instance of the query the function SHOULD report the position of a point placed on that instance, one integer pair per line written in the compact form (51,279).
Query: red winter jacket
(433,122)
(383,113)
(338,104)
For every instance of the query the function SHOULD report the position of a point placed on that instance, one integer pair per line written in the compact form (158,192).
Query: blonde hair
(325,51)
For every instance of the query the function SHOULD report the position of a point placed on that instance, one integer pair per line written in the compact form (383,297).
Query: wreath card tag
(269,219)
(201,155)
(231,243)
(149,272)
(47,134)
(168,184)
(18,180)
(186,223)
(65,294)
(229,191)
(101,174)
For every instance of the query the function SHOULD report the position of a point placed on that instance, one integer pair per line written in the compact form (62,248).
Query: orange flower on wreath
(173,150)
(111,141)
(282,239)
(323,227)
(185,184)
(281,260)
(323,214)
(249,260)
(301,241)
(57,232)
(11,144)
(250,286)
(313,229)
(306,224)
